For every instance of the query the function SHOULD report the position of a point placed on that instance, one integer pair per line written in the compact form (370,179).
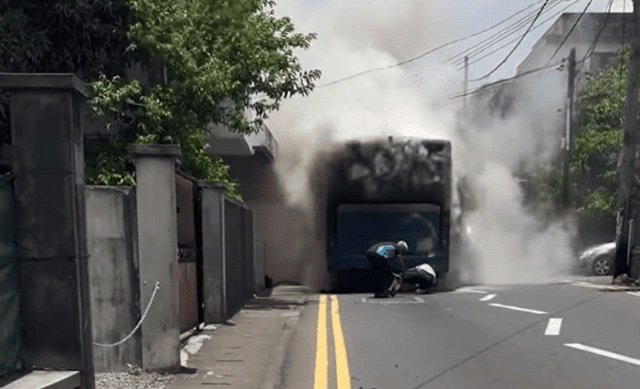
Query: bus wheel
(335,281)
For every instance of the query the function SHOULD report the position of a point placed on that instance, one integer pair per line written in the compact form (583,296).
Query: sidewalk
(248,355)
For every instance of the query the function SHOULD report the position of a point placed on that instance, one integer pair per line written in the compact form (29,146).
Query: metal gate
(188,259)
(10,341)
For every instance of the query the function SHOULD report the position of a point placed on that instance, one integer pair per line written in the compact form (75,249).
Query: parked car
(598,259)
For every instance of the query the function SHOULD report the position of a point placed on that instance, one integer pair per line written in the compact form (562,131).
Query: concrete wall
(157,250)
(113,275)
(228,255)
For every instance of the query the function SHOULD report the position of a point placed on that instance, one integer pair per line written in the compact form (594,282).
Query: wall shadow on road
(269,304)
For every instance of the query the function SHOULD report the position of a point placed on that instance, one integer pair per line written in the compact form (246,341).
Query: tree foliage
(223,62)
(81,36)
(598,143)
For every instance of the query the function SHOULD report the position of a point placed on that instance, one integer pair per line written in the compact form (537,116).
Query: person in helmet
(380,256)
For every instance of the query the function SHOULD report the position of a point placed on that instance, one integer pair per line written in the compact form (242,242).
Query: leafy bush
(599,141)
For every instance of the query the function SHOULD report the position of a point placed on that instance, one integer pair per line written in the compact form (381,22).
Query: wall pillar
(51,235)
(157,253)
(213,253)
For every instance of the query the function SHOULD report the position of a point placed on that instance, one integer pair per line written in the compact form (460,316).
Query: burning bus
(387,190)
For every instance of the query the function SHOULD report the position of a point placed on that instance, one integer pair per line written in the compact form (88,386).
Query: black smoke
(390,171)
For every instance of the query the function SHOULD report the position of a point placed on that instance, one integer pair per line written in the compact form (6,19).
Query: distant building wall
(618,29)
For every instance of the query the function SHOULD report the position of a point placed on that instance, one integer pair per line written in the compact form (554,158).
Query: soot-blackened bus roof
(396,171)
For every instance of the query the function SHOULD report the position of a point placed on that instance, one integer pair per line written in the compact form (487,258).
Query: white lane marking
(536,312)
(470,290)
(604,353)
(488,297)
(553,327)
(392,301)
(599,286)
(637,294)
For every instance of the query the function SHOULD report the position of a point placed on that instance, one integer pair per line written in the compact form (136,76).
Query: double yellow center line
(321,378)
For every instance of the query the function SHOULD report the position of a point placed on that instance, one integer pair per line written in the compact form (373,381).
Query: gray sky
(443,21)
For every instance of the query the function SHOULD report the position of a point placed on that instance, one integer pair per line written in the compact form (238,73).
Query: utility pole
(568,135)
(462,118)
(466,81)
(626,203)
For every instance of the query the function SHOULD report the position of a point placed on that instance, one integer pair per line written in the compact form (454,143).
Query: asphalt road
(567,335)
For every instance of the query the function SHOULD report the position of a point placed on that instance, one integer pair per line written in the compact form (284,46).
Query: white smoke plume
(510,244)
(353,36)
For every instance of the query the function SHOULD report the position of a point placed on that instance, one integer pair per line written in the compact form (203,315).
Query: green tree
(598,143)
(223,62)
(81,36)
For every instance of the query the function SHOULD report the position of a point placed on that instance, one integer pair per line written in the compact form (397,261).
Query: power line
(508,33)
(516,46)
(515,39)
(424,54)
(509,27)
(541,24)
(506,80)
(599,34)
(547,67)
(483,47)
(500,35)
(566,37)
(623,37)
(624,22)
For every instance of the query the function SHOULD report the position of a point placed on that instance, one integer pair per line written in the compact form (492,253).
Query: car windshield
(360,228)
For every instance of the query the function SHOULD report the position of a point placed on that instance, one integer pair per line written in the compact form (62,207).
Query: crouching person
(421,277)
(380,256)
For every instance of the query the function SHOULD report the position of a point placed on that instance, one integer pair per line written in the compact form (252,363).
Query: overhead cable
(500,35)
(424,54)
(516,46)
(566,37)
(592,48)
(506,80)
(541,24)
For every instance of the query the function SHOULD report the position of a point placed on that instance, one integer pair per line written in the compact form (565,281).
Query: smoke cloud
(510,243)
